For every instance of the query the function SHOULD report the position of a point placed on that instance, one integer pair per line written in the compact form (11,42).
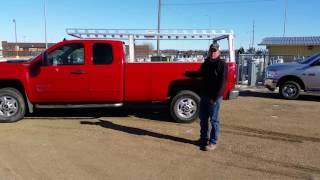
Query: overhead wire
(215,2)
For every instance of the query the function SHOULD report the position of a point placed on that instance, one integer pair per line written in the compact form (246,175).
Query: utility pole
(45,23)
(252,35)
(159,13)
(285,17)
(210,21)
(15,35)
(210,27)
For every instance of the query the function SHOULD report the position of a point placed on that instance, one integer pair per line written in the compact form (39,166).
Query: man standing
(213,73)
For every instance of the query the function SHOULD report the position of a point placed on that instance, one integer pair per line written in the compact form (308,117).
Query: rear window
(102,54)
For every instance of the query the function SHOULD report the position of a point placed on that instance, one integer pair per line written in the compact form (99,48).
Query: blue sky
(238,15)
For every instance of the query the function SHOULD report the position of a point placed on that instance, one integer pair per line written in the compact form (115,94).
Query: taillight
(232,72)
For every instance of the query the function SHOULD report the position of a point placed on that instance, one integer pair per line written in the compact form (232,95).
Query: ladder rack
(153,34)
(150,34)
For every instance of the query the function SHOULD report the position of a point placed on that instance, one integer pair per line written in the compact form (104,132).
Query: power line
(215,3)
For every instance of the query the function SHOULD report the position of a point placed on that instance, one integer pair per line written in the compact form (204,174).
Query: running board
(313,92)
(70,106)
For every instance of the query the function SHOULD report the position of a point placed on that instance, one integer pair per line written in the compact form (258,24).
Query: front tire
(184,107)
(290,90)
(12,105)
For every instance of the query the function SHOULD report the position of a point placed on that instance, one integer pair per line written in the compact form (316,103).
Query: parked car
(95,73)
(291,78)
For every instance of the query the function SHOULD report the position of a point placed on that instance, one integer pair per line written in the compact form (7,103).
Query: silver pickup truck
(291,78)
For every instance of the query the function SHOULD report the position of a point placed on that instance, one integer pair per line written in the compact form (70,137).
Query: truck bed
(150,81)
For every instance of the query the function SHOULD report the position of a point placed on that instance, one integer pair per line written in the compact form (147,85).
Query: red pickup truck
(94,73)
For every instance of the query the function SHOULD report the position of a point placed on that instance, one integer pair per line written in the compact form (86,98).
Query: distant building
(292,47)
(11,49)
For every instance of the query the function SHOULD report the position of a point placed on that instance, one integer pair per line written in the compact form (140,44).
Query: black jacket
(214,74)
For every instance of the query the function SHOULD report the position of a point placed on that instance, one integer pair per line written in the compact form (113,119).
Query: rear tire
(12,105)
(184,107)
(290,90)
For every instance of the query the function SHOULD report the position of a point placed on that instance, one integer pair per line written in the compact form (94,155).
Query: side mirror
(45,60)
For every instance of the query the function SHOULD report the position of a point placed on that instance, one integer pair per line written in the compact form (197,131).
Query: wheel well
(6,83)
(291,78)
(13,84)
(185,84)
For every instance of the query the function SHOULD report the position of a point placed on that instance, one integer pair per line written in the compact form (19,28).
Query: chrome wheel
(289,90)
(8,106)
(186,107)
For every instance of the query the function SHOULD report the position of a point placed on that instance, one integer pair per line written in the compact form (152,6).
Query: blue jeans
(209,113)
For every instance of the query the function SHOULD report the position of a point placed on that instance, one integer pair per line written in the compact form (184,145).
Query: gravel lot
(262,137)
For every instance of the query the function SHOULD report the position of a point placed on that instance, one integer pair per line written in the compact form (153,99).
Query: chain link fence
(251,68)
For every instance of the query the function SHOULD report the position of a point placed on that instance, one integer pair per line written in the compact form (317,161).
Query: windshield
(310,59)
(34,57)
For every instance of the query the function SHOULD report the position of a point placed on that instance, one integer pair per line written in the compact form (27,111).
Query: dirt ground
(262,137)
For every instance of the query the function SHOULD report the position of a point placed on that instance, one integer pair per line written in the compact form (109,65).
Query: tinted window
(311,58)
(102,54)
(317,63)
(70,54)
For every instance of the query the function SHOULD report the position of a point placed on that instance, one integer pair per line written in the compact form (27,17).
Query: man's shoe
(203,148)
(201,142)
(210,147)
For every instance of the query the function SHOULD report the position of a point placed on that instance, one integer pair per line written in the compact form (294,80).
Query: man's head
(214,52)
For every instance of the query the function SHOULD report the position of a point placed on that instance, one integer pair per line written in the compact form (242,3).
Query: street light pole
(15,35)
(45,23)
(159,13)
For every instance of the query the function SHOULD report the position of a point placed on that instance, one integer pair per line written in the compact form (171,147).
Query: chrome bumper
(233,94)
(270,83)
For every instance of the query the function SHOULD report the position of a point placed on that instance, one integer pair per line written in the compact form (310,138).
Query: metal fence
(20,53)
(251,68)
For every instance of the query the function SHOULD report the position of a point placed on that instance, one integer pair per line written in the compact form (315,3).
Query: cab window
(102,54)
(70,54)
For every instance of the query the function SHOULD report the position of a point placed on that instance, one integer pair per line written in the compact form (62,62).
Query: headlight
(271,74)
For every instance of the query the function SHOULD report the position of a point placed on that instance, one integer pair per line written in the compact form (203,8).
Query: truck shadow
(157,112)
(273,95)
(137,131)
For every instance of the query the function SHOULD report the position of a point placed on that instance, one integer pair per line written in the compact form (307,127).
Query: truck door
(63,78)
(106,82)
(312,76)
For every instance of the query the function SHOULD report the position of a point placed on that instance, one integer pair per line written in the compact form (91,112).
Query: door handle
(312,74)
(77,72)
